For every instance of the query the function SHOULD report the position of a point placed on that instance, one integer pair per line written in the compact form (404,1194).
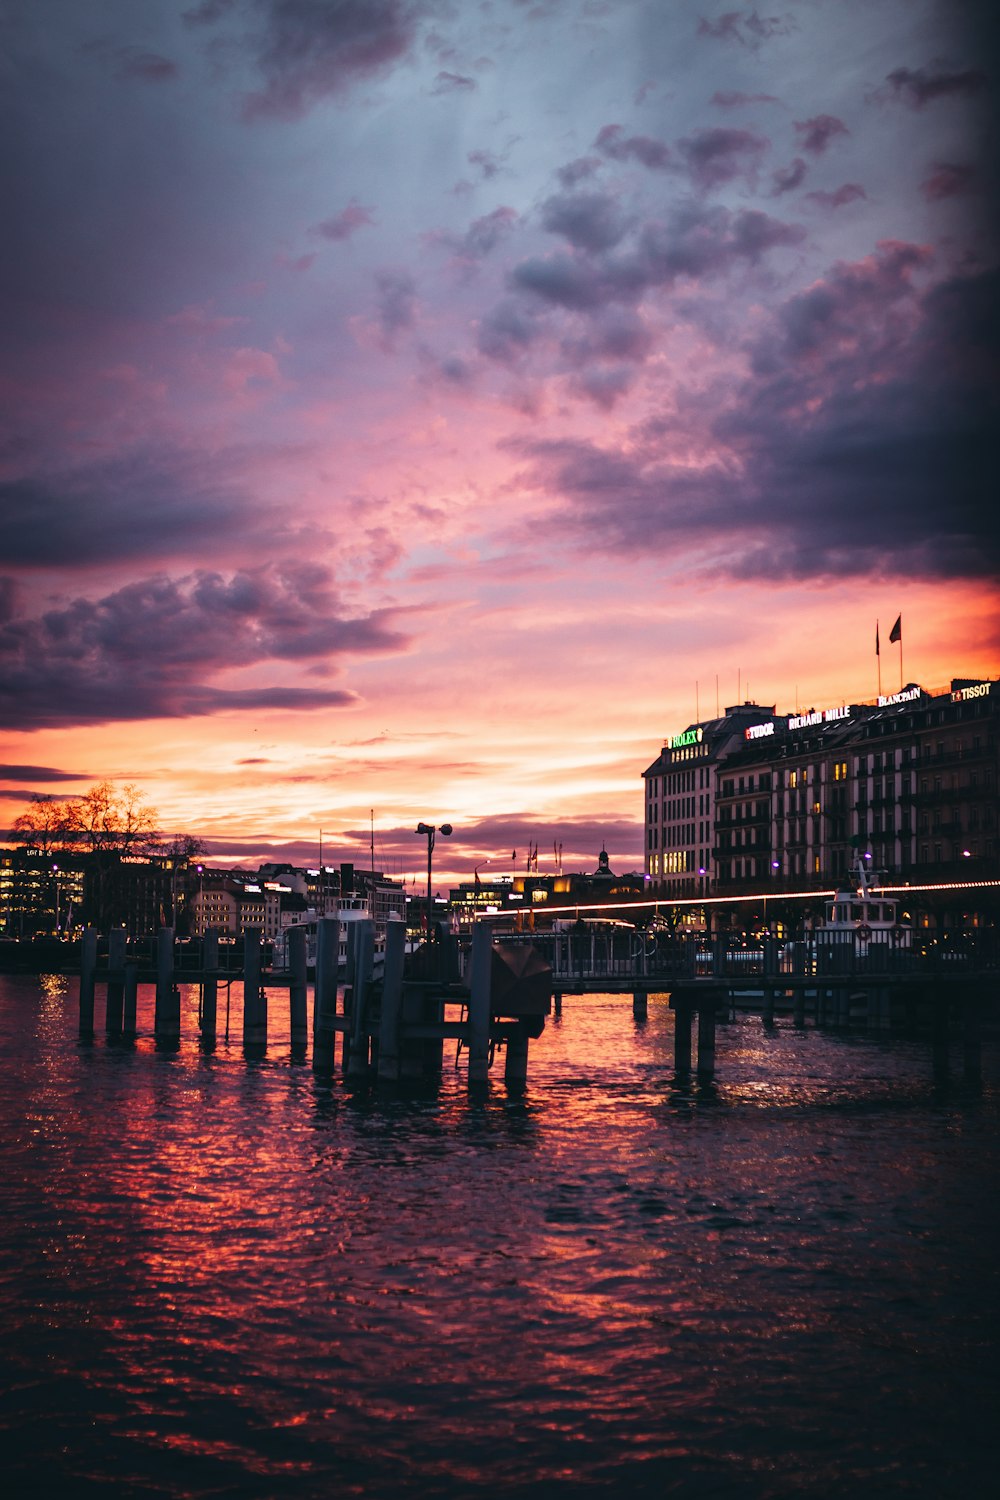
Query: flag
(876,638)
(514,856)
(896,633)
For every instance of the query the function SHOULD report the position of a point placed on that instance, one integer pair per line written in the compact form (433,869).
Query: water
(221,1278)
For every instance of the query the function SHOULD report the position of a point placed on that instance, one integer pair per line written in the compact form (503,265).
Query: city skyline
(418,413)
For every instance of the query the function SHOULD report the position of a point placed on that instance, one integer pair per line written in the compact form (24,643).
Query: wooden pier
(385,1026)
(391,1022)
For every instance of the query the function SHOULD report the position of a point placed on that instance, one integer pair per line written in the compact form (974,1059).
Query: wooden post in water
(364,957)
(480,985)
(640,1005)
(707,1005)
(209,986)
(515,1073)
(129,999)
(167,1015)
(88,976)
(680,1002)
(117,943)
(325,998)
(254,998)
(298,988)
(557,1000)
(392,1001)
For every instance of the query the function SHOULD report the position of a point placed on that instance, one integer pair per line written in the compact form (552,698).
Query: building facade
(910,781)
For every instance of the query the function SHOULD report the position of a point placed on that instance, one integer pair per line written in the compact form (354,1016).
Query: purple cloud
(949,180)
(88,513)
(612,142)
(865,401)
(816,134)
(452,83)
(590,221)
(396,302)
(748,28)
(848,192)
(150,67)
(341,226)
(718,154)
(920,86)
(735,98)
(787,179)
(308,50)
(150,649)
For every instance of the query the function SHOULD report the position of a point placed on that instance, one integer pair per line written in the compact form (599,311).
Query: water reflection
(229,1277)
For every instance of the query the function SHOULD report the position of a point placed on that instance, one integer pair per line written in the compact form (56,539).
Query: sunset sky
(418,410)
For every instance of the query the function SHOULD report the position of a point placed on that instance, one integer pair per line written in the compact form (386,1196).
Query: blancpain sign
(827,716)
(906,696)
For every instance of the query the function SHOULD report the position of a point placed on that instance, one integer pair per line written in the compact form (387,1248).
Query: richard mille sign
(819,716)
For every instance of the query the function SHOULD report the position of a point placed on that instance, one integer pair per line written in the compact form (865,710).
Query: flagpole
(878,660)
(900,661)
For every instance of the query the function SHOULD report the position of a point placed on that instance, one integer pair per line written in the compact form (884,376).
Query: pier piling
(298,988)
(167,1020)
(88,976)
(129,1001)
(392,1001)
(115,994)
(480,983)
(254,998)
(209,987)
(325,997)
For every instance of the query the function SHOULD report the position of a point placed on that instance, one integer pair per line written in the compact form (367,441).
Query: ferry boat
(350,909)
(863,916)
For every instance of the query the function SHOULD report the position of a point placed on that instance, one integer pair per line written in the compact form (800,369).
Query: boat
(862,915)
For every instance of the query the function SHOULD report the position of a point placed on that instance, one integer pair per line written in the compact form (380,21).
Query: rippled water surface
(232,1278)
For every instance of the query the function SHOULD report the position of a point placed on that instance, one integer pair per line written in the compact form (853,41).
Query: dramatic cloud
(860,409)
(516,319)
(309,49)
(94,513)
(150,649)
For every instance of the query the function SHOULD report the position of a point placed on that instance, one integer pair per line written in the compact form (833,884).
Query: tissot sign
(977,690)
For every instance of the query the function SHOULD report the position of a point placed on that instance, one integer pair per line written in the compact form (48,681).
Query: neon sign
(689,737)
(978,690)
(906,696)
(826,716)
(758,731)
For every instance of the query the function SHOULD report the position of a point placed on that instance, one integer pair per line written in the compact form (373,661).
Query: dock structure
(390,1022)
(380,1025)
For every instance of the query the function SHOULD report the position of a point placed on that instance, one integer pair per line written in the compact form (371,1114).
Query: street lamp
(430,830)
(55,871)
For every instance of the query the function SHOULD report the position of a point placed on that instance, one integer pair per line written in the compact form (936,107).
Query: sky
(414,410)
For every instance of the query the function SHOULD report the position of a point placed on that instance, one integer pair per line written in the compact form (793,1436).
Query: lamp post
(55,871)
(430,830)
